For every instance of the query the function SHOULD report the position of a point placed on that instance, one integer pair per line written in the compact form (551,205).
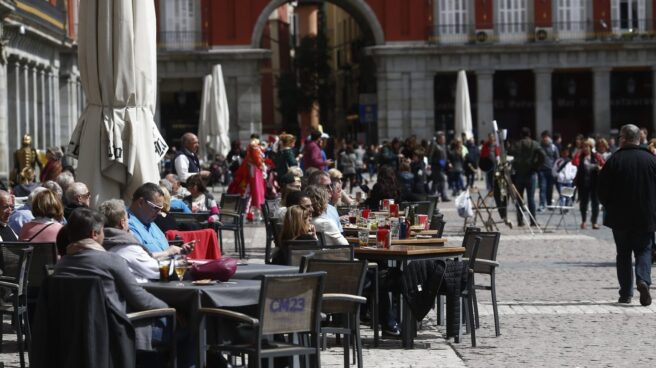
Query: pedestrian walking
(528,159)
(586,182)
(627,189)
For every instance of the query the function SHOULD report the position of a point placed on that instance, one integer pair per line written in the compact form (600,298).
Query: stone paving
(557,293)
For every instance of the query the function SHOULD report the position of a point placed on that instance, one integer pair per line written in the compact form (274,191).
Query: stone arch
(358,9)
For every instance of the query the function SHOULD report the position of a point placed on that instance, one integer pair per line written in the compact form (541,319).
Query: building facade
(570,66)
(40,91)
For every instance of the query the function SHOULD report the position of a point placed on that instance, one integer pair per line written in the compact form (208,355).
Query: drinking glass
(363,238)
(164,269)
(181,266)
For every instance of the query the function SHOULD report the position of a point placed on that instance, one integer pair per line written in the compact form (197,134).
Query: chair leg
(345,345)
(495,309)
(237,248)
(19,336)
(476,319)
(358,342)
(469,310)
(28,332)
(242,241)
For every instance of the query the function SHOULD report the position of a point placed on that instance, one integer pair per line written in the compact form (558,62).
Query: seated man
(176,204)
(6,208)
(119,240)
(86,257)
(147,203)
(322,179)
(77,195)
(23,214)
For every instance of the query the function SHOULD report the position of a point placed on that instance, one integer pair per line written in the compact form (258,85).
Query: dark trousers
(589,195)
(638,243)
(546,183)
(439,184)
(525,183)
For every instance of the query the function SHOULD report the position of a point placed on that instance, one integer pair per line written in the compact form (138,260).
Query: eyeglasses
(153,206)
(85,195)
(6,207)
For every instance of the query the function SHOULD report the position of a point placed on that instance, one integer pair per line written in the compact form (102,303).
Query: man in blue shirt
(147,203)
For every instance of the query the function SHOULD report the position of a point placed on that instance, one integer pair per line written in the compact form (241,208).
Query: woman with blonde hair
(48,212)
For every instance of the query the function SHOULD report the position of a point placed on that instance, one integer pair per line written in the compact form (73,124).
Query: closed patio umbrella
(204,118)
(116,141)
(463,118)
(215,116)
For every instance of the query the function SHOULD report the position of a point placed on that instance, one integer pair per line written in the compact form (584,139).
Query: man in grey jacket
(86,257)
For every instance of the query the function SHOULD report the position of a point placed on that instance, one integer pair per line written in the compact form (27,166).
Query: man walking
(528,159)
(439,164)
(627,189)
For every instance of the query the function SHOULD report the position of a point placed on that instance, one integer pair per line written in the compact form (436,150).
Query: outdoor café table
(254,270)
(188,299)
(403,251)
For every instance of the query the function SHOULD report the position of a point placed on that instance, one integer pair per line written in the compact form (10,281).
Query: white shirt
(327,226)
(182,168)
(141,264)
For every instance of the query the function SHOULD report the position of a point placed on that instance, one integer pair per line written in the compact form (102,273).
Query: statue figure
(26,156)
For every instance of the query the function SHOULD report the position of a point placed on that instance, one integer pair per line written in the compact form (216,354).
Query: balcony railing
(618,30)
(181,40)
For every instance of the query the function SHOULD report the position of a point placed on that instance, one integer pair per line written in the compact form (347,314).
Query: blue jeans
(638,243)
(526,183)
(546,182)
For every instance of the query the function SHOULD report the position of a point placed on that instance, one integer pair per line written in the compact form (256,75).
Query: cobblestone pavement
(557,293)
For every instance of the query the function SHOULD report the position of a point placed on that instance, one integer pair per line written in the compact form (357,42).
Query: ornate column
(485,100)
(25,121)
(4,121)
(14,100)
(34,107)
(543,110)
(44,124)
(56,116)
(601,98)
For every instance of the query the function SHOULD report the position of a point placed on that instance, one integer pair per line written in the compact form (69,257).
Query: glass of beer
(164,269)
(363,238)
(181,266)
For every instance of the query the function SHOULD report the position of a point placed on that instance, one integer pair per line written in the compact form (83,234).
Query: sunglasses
(153,206)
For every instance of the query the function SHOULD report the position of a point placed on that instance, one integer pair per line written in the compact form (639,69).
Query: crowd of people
(312,178)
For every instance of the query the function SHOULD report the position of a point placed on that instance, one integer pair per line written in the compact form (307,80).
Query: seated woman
(386,187)
(297,198)
(200,200)
(48,212)
(297,225)
(322,222)
(164,221)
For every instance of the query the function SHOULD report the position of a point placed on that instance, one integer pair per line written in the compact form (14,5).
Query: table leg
(407,332)
(374,315)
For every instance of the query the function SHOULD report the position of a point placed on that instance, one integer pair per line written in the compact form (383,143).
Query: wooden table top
(410,250)
(413,241)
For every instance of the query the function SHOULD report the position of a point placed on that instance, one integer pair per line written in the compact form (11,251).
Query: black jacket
(77,326)
(627,188)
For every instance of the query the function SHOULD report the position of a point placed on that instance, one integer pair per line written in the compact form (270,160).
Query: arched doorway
(354,88)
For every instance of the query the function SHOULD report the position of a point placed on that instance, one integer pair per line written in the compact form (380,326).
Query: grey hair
(166,184)
(54,187)
(172,178)
(186,138)
(75,189)
(113,210)
(631,133)
(65,179)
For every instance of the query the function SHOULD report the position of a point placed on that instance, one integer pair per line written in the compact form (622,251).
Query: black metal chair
(289,305)
(70,305)
(468,295)
(15,265)
(486,264)
(191,221)
(294,250)
(266,216)
(421,207)
(231,218)
(342,299)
